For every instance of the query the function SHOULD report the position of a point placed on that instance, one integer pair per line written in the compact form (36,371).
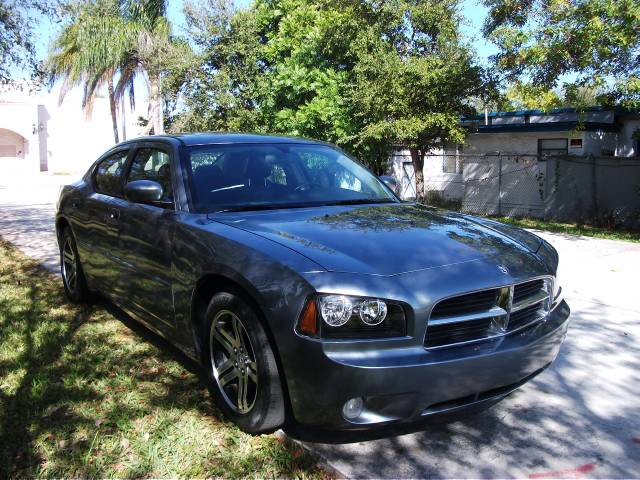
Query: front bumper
(406,385)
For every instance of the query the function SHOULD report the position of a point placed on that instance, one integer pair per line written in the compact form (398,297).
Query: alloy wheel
(69,269)
(233,361)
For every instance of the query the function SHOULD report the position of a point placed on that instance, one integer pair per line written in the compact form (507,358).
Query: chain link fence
(597,190)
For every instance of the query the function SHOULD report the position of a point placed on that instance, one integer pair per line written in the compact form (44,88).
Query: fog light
(353,408)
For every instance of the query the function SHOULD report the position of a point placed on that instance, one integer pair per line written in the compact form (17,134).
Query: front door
(97,226)
(146,233)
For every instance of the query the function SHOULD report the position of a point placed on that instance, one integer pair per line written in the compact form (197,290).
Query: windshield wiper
(272,206)
(361,201)
(276,206)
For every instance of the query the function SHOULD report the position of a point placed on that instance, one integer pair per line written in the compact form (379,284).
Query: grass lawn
(86,393)
(572,229)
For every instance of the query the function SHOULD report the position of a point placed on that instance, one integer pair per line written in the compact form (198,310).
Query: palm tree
(117,38)
(152,51)
(87,53)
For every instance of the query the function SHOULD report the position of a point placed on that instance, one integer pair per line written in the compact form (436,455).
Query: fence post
(594,186)
(499,184)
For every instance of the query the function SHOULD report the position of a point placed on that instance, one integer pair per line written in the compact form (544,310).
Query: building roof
(559,119)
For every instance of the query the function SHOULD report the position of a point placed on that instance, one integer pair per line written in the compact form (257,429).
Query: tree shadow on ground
(82,396)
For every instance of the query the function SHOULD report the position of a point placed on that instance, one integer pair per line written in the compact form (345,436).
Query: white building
(598,132)
(38,134)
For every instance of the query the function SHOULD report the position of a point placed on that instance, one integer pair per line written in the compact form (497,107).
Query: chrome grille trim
(504,317)
(494,312)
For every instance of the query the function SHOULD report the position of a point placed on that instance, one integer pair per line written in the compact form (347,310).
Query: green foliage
(524,96)
(596,41)
(17,21)
(363,75)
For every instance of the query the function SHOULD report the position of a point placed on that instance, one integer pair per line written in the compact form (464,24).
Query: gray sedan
(306,289)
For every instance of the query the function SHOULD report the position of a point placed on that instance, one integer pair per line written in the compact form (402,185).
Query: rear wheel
(241,367)
(75,285)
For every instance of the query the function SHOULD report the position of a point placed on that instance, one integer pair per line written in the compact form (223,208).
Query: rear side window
(109,172)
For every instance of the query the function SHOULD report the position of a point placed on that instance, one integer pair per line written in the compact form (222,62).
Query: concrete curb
(320,459)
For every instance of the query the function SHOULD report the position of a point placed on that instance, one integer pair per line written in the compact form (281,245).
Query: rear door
(146,238)
(97,225)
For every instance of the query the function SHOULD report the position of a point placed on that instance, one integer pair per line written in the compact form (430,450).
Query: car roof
(212,138)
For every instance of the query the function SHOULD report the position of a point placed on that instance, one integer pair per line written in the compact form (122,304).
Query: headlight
(342,316)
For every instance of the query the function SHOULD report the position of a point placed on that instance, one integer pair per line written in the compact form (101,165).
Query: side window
(108,174)
(152,164)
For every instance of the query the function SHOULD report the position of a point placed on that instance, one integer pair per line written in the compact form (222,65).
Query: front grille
(463,332)
(525,290)
(524,317)
(472,302)
(486,314)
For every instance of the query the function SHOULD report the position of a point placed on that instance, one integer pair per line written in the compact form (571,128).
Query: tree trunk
(417,160)
(157,114)
(112,105)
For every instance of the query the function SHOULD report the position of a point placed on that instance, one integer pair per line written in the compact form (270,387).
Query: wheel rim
(233,361)
(69,269)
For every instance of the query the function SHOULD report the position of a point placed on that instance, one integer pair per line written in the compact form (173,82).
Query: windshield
(259,176)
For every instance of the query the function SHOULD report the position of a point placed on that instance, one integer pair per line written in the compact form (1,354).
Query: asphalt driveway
(580,418)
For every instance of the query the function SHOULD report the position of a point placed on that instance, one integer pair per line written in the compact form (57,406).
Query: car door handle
(114,214)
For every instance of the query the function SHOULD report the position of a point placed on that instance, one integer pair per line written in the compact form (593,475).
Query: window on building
(452,158)
(153,164)
(108,175)
(548,147)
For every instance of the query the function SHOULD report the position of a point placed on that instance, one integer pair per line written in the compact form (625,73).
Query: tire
(241,367)
(73,280)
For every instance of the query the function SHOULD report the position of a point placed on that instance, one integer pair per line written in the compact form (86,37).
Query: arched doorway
(14,151)
(12,144)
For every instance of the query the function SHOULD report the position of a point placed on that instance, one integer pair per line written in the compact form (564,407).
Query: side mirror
(143,191)
(390,182)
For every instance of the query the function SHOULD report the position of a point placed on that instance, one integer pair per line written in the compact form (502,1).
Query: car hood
(385,239)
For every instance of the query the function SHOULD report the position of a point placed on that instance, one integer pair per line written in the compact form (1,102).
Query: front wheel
(241,366)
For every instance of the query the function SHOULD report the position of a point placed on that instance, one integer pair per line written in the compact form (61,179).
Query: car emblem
(503,269)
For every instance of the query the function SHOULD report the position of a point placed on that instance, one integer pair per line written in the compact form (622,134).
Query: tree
(524,96)
(151,50)
(16,34)
(364,75)
(595,41)
(107,40)
(220,84)
(414,76)
(88,52)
